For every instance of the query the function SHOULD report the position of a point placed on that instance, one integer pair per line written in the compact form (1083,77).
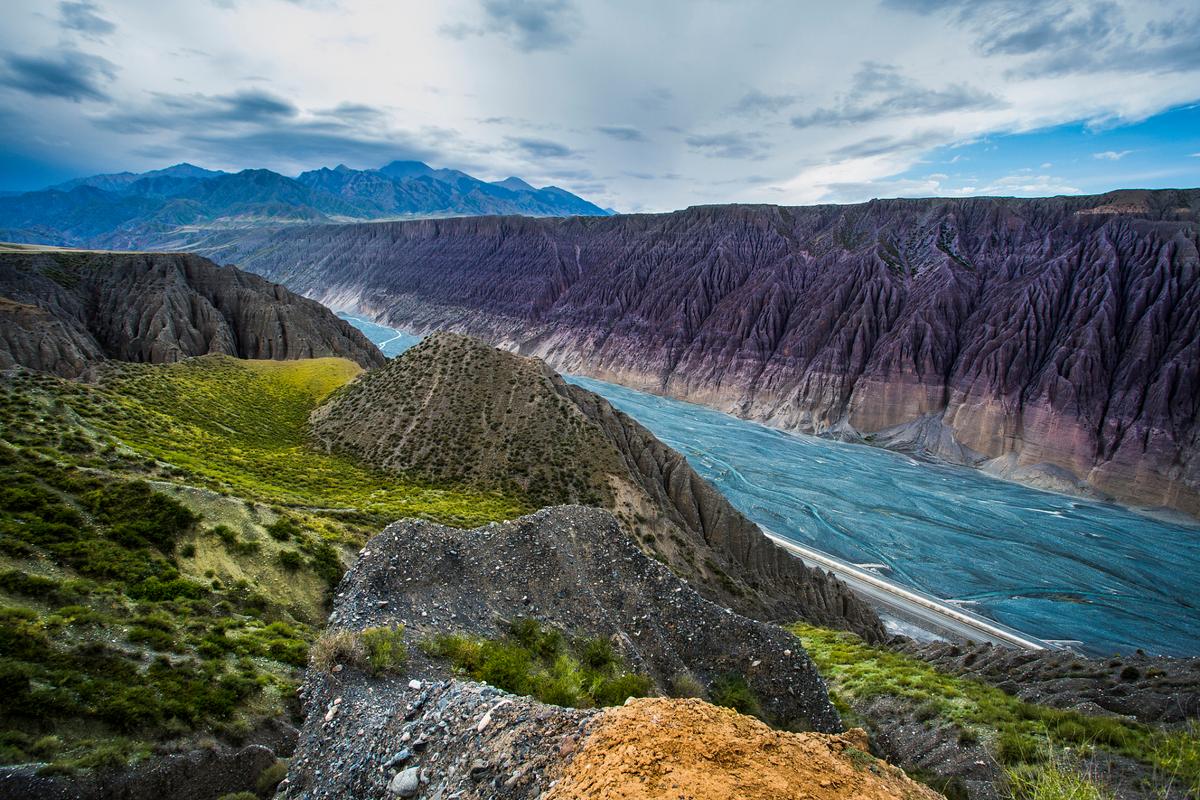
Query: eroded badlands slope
(1054,337)
(62,310)
(455,411)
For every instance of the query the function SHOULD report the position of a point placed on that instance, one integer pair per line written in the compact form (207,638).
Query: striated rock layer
(1053,340)
(454,410)
(61,311)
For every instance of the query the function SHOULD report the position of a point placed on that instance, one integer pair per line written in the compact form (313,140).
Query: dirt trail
(690,750)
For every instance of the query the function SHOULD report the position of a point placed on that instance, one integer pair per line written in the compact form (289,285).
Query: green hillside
(168,537)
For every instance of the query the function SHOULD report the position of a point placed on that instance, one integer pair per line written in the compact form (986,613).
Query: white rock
(414,684)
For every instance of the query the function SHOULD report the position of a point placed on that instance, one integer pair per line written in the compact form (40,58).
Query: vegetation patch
(168,537)
(543,662)
(1023,736)
(242,426)
(377,651)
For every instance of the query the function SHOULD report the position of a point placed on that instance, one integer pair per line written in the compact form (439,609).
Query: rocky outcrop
(1060,336)
(570,568)
(455,410)
(453,739)
(61,311)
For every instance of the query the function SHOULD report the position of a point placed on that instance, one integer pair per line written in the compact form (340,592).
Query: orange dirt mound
(690,750)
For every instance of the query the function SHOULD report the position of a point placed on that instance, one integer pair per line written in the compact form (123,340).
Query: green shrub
(385,648)
(290,560)
(1014,747)
(14,581)
(615,691)
(732,691)
(283,529)
(157,589)
(506,666)
(138,515)
(533,659)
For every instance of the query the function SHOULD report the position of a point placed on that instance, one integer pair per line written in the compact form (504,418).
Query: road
(924,611)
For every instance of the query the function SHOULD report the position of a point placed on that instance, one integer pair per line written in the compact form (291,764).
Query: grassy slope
(167,538)
(1031,740)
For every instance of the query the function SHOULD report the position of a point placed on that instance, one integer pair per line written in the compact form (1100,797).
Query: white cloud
(620,89)
(1024,183)
(1111,155)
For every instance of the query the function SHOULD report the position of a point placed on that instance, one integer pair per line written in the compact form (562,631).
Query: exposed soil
(690,750)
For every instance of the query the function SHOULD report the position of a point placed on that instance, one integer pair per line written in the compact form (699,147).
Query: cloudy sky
(635,105)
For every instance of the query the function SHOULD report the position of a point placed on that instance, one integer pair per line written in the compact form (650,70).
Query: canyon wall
(1052,340)
(63,310)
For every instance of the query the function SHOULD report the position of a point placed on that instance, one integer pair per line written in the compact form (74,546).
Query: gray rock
(407,783)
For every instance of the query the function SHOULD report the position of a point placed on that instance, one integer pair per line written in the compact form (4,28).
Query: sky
(639,106)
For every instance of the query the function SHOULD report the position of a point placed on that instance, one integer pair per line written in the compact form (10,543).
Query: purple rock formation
(60,311)
(1046,339)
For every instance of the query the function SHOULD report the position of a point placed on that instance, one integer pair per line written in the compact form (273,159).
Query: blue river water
(1053,566)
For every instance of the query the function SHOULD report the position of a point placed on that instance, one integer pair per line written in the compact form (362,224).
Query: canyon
(1054,341)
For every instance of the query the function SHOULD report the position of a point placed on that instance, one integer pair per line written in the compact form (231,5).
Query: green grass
(1018,733)
(540,661)
(168,538)
(1054,780)
(243,425)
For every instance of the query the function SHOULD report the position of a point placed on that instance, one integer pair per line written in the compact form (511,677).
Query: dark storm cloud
(254,106)
(624,133)
(307,144)
(729,145)
(879,91)
(84,18)
(259,127)
(540,148)
(756,103)
(530,25)
(68,74)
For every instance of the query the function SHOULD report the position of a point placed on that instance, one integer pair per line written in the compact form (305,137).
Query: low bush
(290,560)
(385,648)
(337,647)
(536,660)
(732,691)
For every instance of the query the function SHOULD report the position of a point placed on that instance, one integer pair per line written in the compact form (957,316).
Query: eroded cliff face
(1047,338)
(61,311)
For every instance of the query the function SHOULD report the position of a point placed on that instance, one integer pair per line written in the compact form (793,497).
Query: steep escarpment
(454,410)
(61,311)
(1056,337)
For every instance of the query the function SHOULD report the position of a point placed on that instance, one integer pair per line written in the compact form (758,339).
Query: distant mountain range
(179,204)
